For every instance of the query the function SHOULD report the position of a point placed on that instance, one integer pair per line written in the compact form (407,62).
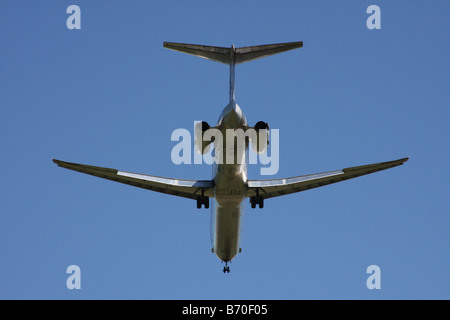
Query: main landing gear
(203,200)
(257,201)
(226,268)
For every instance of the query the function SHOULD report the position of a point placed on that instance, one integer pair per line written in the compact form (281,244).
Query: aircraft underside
(230,186)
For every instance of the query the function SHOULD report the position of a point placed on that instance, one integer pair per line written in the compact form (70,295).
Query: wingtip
(55,161)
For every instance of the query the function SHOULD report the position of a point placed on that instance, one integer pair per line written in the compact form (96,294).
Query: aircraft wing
(279,187)
(191,189)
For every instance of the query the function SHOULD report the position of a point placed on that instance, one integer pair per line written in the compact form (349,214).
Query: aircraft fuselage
(230,179)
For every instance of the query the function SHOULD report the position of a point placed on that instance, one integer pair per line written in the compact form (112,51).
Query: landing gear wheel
(203,201)
(226,268)
(261,203)
(253,202)
(257,201)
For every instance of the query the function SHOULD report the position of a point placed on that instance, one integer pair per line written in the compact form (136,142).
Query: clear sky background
(111,95)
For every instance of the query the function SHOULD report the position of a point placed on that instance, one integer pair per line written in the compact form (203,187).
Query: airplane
(229,186)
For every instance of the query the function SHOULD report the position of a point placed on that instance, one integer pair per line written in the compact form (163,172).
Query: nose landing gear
(226,268)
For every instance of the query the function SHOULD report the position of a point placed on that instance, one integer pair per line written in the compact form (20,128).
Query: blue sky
(111,95)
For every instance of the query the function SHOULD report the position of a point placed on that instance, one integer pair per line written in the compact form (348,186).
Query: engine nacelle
(201,146)
(262,137)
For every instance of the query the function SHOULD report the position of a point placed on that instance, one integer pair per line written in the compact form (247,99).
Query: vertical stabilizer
(232,55)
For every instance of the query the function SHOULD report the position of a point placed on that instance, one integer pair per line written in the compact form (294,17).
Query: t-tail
(232,55)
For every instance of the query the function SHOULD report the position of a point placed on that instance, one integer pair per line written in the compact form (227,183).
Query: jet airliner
(229,186)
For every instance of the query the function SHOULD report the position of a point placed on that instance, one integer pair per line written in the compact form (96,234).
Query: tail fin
(233,55)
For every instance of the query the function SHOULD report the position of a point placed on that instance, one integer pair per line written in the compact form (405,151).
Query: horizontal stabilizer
(218,54)
(233,55)
(245,54)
